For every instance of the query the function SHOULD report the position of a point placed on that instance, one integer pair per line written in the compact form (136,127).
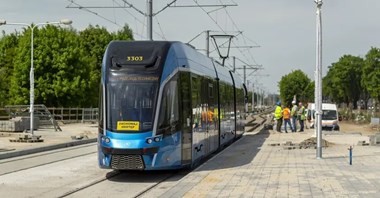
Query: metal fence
(74,114)
(61,114)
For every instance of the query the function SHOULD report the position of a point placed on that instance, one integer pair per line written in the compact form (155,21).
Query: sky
(281,34)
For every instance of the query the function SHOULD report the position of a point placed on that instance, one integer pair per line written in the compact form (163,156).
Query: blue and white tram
(163,105)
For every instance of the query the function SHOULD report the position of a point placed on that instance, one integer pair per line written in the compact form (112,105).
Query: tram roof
(177,54)
(200,64)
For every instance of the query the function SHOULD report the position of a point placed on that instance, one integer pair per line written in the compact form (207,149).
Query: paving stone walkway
(252,168)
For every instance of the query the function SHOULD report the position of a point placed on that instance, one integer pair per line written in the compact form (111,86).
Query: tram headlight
(149,140)
(106,139)
(156,139)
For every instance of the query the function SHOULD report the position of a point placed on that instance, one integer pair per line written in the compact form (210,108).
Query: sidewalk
(86,133)
(251,167)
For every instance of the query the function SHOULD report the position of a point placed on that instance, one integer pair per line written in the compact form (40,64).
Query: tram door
(198,126)
(210,114)
(204,116)
(185,109)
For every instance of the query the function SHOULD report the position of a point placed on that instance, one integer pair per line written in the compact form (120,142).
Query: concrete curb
(45,148)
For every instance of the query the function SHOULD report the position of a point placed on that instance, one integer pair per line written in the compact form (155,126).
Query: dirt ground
(351,127)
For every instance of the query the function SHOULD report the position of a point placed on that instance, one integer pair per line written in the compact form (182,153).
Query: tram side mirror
(168,129)
(174,127)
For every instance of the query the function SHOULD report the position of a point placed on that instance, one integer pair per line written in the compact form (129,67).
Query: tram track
(254,125)
(126,177)
(23,169)
(151,187)
(3,161)
(93,183)
(183,173)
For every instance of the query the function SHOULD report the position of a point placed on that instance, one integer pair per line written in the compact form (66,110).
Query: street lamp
(318,81)
(219,38)
(32,26)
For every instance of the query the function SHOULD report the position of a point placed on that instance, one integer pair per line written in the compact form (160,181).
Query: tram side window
(222,94)
(240,103)
(169,115)
(210,90)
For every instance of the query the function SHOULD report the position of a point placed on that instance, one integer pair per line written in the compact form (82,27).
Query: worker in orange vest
(286,116)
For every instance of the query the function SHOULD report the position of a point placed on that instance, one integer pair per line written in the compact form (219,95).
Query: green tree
(343,81)
(93,42)
(19,86)
(67,65)
(59,72)
(329,88)
(295,83)
(124,34)
(56,68)
(371,73)
(8,44)
(308,93)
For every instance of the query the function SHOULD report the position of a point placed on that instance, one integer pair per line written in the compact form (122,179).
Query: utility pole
(234,63)
(149,13)
(150,19)
(245,65)
(244,74)
(257,95)
(257,92)
(208,43)
(253,97)
(318,81)
(244,68)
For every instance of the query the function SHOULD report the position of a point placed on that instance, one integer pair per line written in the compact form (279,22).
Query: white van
(330,118)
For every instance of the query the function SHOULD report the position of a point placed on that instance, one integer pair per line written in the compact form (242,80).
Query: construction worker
(305,115)
(293,113)
(278,116)
(301,115)
(210,118)
(286,116)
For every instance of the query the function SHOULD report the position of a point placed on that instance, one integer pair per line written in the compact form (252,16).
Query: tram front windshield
(131,105)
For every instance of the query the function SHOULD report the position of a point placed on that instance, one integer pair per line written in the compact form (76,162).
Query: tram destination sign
(137,78)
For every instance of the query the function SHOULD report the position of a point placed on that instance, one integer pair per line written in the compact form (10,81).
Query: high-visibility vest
(210,114)
(278,113)
(216,113)
(302,113)
(286,113)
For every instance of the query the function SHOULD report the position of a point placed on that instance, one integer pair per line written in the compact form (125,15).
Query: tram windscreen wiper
(114,63)
(153,63)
